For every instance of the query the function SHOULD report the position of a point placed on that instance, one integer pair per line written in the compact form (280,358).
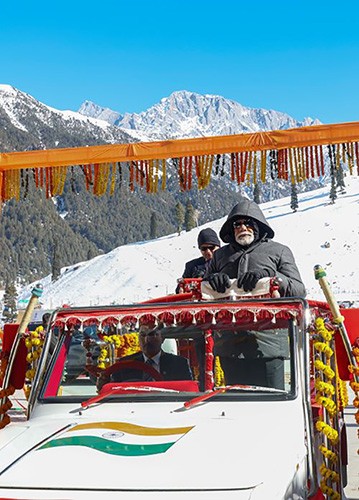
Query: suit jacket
(172,367)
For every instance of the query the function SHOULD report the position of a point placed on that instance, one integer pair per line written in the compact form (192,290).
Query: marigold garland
(354,384)
(324,387)
(327,490)
(328,431)
(325,390)
(328,454)
(34,342)
(5,421)
(6,405)
(295,164)
(118,346)
(219,379)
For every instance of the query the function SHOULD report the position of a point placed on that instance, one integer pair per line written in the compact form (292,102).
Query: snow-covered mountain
(27,123)
(188,114)
(90,109)
(319,233)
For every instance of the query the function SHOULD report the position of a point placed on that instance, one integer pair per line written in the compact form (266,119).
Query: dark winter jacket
(195,268)
(263,254)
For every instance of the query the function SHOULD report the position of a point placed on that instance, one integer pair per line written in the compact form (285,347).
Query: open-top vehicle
(148,437)
(88,433)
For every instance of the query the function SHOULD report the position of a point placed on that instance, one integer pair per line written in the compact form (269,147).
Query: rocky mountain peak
(189,114)
(93,110)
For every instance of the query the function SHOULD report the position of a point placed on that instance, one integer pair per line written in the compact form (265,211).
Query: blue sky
(298,57)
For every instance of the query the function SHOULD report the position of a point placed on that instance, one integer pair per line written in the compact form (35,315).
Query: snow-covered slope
(319,233)
(187,114)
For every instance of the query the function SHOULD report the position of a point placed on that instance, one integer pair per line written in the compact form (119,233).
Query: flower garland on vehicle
(6,405)
(219,380)
(325,390)
(4,393)
(117,346)
(354,370)
(34,342)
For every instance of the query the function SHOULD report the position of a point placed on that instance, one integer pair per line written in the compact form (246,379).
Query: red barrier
(17,377)
(351,323)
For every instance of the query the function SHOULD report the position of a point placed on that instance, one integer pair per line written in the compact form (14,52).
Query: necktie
(147,376)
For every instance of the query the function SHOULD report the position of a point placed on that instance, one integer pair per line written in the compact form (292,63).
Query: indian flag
(120,438)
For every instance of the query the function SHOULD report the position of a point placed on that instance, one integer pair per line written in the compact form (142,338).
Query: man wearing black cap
(251,254)
(208,243)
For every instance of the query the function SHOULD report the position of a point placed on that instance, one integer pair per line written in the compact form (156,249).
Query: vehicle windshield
(155,360)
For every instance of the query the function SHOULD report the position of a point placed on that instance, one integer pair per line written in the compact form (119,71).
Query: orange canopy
(296,153)
(259,141)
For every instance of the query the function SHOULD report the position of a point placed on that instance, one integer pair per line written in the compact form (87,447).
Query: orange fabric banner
(260,141)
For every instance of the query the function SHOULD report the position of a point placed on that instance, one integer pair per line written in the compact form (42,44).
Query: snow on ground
(318,233)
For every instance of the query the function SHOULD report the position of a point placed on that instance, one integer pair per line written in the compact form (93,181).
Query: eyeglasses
(243,222)
(209,247)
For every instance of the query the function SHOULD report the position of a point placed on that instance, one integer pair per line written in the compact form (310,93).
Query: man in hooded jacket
(251,254)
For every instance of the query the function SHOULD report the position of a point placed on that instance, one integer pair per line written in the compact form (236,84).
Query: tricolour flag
(120,438)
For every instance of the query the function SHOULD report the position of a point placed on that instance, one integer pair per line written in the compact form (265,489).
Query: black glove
(249,280)
(219,282)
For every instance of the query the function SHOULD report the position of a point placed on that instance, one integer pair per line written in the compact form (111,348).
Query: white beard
(245,239)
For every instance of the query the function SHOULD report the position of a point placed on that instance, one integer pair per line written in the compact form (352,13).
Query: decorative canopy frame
(293,155)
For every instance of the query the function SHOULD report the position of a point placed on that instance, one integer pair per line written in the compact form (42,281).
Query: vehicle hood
(202,449)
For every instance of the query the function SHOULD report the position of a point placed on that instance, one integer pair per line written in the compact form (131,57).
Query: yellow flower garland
(118,346)
(219,379)
(325,390)
(328,454)
(34,342)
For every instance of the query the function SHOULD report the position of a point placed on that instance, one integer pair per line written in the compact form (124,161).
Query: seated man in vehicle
(170,366)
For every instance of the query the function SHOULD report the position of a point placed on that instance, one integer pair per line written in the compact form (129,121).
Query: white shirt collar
(156,359)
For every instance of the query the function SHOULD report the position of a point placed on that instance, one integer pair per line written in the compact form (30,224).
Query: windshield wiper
(237,387)
(117,389)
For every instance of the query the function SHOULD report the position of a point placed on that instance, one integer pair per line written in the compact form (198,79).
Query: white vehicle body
(251,443)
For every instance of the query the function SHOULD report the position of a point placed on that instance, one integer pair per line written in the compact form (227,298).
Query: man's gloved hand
(249,280)
(219,282)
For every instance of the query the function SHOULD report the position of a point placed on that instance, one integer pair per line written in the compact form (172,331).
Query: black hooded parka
(263,254)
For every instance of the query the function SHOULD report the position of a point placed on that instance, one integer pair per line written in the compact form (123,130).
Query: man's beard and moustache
(244,239)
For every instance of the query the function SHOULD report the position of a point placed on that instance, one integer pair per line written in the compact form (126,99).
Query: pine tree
(333,186)
(257,193)
(9,300)
(180,216)
(153,226)
(333,191)
(189,217)
(56,262)
(340,179)
(294,198)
